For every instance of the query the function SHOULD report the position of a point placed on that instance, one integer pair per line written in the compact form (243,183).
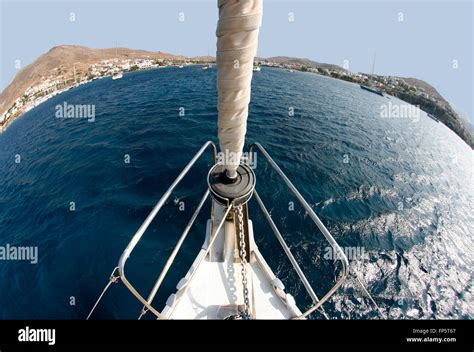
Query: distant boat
(433,117)
(290,70)
(257,68)
(207,66)
(372,89)
(118,75)
(180,66)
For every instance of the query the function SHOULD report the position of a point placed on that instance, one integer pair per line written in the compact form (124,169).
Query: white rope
(113,279)
(237,40)
(364,290)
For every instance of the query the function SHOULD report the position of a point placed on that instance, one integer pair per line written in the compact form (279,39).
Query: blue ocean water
(398,189)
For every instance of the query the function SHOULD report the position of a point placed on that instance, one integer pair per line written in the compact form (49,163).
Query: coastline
(7,122)
(392,86)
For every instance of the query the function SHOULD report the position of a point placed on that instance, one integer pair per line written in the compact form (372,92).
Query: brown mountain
(428,88)
(63,57)
(286,60)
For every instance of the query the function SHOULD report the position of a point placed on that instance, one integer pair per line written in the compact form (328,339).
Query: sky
(429,40)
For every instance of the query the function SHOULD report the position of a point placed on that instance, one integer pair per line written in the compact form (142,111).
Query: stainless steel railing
(340,253)
(174,253)
(147,303)
(138,235)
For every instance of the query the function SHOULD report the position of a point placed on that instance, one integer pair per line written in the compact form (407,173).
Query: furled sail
(237,39)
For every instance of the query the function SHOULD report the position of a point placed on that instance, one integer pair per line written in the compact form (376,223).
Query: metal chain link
(243,258)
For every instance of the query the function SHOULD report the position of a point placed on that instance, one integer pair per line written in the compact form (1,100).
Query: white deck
(213,289)
(216,285)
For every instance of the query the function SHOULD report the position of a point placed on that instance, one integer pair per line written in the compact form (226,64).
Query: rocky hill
(63,58)
(303,62)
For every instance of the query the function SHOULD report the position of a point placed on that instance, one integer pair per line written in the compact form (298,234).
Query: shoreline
(6,123)
(421,102)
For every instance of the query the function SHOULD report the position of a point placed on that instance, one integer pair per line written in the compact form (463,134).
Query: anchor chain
(243,260)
